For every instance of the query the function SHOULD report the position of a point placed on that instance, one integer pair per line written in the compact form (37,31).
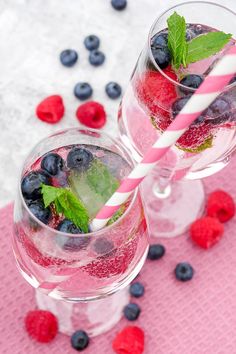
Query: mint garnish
(177,43)
(67,204)
(206,45)
(201,47)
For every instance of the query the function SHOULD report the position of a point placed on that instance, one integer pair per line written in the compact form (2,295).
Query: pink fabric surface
(198,317)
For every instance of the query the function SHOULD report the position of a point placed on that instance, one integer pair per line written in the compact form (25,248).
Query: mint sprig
(177,43)
(201,47)
(67,204)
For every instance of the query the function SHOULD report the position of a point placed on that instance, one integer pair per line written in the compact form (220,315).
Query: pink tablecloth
(198,317)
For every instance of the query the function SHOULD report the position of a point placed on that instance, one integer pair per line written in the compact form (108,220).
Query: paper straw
(211,87)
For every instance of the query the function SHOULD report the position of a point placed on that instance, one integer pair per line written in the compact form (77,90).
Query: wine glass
(81,269)
(173,195)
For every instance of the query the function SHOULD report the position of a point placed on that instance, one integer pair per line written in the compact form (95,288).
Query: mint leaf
(177,43)
(59,209)
(50,194)
(74,210)
(206,45)
(101,180)
(67,204)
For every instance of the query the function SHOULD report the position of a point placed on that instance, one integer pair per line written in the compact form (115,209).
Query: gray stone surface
(32,34)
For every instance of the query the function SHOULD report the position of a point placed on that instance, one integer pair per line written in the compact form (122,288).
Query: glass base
(171,214)
(94,317)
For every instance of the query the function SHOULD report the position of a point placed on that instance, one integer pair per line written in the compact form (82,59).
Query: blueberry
(29,201)
(96,57)
(31,184)
(192,31)
(193,81)
(132,311)
(68,57)
(161,56)
(136,289)
(68,227)
(198,29)
(79,159)
(113,90)
(61,179)
(102,245)
(184,271)
(52,164)
(219,111)
(83,91)
(79,340)
(39,211)
(91,42)
(159,40)
(119,4)
(199,120)
(190,35)
(179,104)
(72,244)
(156,251)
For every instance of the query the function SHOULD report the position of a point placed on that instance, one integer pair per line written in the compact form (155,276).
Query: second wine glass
(173,195)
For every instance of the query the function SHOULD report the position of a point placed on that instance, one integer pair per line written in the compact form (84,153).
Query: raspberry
(41,325)
(198,132)
(91,114)
(220,205)
(206,232)
(162,120)
(195,136)
(156,92)
(51,109)
(195,139)
(129,341)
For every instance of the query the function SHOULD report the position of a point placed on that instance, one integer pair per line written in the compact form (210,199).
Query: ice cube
(94,186)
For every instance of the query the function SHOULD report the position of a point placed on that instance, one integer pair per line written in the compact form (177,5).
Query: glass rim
(150,34)
(133,196)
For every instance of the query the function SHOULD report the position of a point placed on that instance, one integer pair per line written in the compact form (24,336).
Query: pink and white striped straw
(211,87)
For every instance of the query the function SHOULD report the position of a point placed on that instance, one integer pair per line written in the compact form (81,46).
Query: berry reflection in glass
(65,181)
(183,45)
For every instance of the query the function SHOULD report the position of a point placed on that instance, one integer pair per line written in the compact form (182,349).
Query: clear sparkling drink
(53,253)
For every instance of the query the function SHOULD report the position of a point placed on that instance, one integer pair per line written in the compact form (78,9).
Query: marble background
(32,34)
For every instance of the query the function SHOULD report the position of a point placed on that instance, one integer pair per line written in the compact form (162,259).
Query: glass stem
(162,188)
